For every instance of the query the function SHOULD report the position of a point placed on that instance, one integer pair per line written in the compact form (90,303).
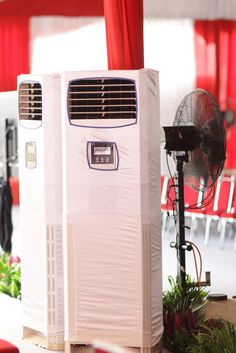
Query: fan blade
(197,169)
(206,161)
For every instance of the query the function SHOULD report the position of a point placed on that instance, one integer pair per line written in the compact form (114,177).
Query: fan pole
(180,239)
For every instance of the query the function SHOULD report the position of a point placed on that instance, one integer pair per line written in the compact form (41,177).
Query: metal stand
(180,240)
(180,244)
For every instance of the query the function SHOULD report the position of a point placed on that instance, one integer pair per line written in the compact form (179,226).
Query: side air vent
(30,101)
(102,98)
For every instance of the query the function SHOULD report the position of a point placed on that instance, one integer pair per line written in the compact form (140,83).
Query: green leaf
(183,314)
(4,289)
(10,277)
(3,267)
(14,290)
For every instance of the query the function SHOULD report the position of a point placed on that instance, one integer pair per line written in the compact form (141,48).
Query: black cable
(173,202)
(205,201)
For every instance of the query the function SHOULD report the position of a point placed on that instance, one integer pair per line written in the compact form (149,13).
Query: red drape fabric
(215,48)
(14,50)
(51,8)
(124,33)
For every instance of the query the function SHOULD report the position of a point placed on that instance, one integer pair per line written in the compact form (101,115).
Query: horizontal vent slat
(31,95)
(101,113)
(31,113)
(98,111)
(103,117)
(103,95)
(105,85)
(101,105)
(102,98)
(30,101)
(101,81)
(30,89)
(30,104)
(100,92)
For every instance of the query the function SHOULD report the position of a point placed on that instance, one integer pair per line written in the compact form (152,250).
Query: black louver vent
(102,98)
(30,101)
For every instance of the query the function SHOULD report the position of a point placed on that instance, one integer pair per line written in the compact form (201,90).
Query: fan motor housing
(181,138)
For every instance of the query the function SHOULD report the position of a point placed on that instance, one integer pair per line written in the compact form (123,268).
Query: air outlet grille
(102,98)
(30,101)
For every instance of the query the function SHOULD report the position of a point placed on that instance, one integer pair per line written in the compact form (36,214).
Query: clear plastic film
(112,222)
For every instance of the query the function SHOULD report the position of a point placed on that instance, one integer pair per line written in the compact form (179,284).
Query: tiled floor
(221,263)
(11,327)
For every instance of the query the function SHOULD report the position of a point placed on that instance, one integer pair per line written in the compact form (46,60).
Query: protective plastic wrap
(40,174)
(112,236)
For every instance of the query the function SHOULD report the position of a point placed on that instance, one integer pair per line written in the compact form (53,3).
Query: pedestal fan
(197,142)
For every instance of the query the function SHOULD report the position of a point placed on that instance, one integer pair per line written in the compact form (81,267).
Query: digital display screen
(104,150)
(102,153)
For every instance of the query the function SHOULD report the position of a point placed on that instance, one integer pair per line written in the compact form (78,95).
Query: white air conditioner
(111,193)
(40,175)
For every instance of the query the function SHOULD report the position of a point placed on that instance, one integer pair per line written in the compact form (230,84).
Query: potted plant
(183,314)
(10,275)
(216,336)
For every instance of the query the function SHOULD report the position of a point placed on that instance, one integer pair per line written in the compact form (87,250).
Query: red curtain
(124,33)
(14,50)
(215,47)
(51,8)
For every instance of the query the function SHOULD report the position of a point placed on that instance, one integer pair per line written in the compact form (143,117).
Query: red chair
(223,194)
(192,205)
(203,200)
(7,347)
(229,217)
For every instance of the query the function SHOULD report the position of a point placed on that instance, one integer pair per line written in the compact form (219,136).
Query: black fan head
(206,161)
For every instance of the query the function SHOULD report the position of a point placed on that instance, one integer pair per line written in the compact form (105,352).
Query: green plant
(10,275)
(217,336)
(183,314)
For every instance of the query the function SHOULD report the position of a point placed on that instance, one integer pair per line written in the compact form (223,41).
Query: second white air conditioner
(40,175)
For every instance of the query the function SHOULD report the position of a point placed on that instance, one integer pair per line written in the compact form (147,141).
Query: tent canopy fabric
(48,7)
(124,29)
(195,9)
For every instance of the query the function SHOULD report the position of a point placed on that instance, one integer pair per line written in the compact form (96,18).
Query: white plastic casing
(112,222)
(40,174)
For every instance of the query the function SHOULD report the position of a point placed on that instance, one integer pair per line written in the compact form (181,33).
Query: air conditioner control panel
(30,155)
(102,155)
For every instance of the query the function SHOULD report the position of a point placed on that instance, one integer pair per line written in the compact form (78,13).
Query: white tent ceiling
(195,9)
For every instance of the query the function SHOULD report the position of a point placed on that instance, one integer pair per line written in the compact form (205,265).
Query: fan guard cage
(206,161)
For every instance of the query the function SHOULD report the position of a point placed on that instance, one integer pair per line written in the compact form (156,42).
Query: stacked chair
(222,202)
(218,206)
(193,202)
(229,217)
